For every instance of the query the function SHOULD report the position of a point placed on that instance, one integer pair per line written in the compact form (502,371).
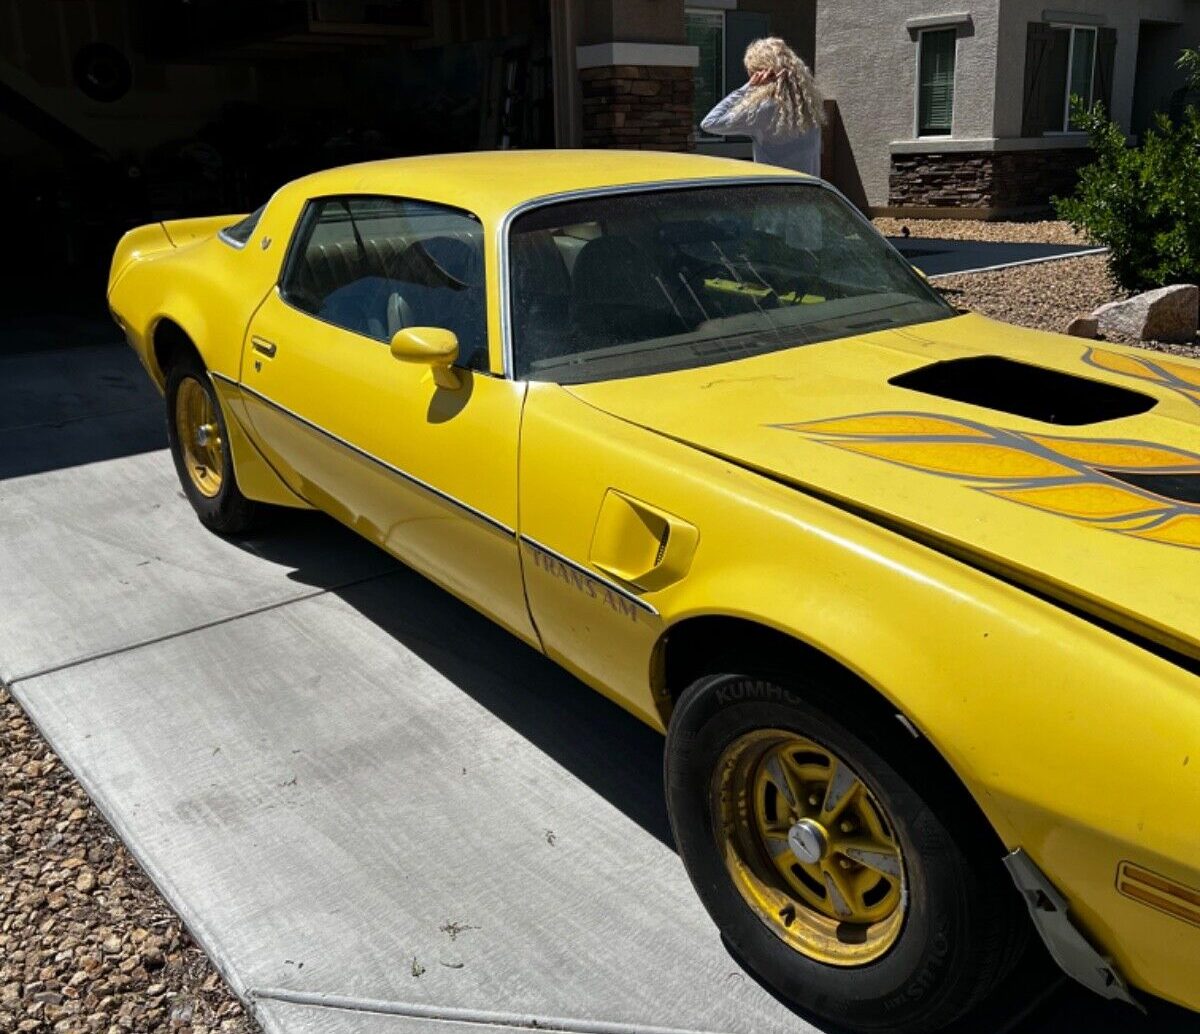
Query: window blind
(935,114)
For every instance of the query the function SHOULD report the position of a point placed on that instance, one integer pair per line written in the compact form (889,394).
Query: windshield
(631,284)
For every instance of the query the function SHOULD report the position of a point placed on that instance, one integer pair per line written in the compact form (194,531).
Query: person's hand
(762,76)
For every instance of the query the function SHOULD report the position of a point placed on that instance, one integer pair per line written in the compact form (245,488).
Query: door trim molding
(411,479)
(587,572)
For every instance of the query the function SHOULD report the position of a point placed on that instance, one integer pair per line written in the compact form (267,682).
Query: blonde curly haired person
(781,108)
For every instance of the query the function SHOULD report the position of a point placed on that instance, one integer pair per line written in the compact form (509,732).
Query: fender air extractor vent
(1025,390)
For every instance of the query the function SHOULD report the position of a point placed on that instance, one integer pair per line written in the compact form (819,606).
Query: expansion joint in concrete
(454,1014)
(215,623)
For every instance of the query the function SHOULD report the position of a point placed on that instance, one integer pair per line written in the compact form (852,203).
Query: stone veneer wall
(984,179)
(637,106)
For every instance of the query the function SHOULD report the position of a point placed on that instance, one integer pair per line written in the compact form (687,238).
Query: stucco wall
(639,21)
(866,60)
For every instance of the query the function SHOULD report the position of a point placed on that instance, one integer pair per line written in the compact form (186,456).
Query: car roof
(491,183)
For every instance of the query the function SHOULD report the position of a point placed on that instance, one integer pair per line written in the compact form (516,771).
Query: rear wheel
(199,445)
(837,870)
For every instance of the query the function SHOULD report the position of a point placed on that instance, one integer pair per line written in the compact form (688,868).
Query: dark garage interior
(115,113)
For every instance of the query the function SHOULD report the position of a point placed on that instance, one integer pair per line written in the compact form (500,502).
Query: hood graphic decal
(1130,487)
(1166,374)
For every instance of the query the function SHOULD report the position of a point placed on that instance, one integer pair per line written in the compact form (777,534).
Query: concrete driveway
(378,813)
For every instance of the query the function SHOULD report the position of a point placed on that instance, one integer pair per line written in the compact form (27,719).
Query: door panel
(429,473)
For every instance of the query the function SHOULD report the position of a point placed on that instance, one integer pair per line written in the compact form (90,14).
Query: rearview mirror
(434,346)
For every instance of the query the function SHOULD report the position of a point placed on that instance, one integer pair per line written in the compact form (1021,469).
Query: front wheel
(839,882)
(199,445)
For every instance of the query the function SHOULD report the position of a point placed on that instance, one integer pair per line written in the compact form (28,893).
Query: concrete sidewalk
(376,811)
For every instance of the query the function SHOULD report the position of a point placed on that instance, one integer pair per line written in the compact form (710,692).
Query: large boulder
(1168,314)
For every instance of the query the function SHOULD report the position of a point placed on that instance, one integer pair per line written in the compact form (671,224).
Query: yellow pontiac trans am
(914,595)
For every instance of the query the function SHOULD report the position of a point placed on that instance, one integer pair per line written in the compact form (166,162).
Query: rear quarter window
(240,232)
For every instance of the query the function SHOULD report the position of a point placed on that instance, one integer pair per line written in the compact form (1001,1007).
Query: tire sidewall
(227,511)
(921,966)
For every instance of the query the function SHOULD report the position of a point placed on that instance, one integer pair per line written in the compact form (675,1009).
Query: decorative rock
(1170,314)
(1083,326)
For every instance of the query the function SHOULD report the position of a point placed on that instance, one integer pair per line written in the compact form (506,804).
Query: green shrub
(1142,203)
(1189,65)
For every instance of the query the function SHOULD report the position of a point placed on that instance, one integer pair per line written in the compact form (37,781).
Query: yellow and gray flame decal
(1133,488)
(1163,372)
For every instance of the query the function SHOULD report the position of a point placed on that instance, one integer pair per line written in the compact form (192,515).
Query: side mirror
(434,346)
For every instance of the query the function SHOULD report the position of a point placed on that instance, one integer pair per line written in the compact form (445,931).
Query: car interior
(674,272)
(373,277)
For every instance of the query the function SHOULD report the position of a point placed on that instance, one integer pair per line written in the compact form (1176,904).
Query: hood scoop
(1022,389)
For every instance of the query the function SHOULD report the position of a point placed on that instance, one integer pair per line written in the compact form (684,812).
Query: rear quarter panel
(184,272)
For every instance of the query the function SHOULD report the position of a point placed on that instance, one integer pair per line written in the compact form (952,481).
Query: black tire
(227,512)
(963,925)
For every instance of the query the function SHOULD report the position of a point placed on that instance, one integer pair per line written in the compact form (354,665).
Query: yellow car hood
(1103,516)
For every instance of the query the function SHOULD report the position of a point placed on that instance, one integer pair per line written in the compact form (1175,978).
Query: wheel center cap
(205,433)
(808,841)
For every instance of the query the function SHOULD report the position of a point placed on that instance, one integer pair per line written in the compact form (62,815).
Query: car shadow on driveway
(619,757)
(605,747)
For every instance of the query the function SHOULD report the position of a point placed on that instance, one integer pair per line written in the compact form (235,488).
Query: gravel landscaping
(1045,295)
(86,943)
(1045,232)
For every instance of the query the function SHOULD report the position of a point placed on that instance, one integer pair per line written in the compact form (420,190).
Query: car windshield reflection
(631,284)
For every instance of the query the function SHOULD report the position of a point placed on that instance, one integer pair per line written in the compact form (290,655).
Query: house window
(1063,62)
(935,82)
(706,32)
(721,36)
(1082,79)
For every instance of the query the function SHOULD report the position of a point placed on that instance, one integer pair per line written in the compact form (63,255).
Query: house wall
(640,21)
(867,65)
(866,62)
(1123,15)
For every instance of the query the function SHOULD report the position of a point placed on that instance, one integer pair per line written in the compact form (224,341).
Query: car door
(426,471)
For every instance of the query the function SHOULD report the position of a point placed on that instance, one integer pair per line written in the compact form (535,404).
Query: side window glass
(376,265)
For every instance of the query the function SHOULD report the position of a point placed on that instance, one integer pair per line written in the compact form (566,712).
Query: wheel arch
(169,343)
(710,644)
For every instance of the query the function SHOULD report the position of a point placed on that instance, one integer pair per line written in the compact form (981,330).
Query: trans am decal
(1133,488)
(1163,372)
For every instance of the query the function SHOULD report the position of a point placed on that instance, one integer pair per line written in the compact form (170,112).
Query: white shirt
(800,152)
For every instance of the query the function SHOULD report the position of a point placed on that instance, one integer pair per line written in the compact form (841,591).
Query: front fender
(1078,745)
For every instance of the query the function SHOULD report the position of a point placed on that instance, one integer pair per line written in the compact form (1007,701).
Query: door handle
(263,347)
